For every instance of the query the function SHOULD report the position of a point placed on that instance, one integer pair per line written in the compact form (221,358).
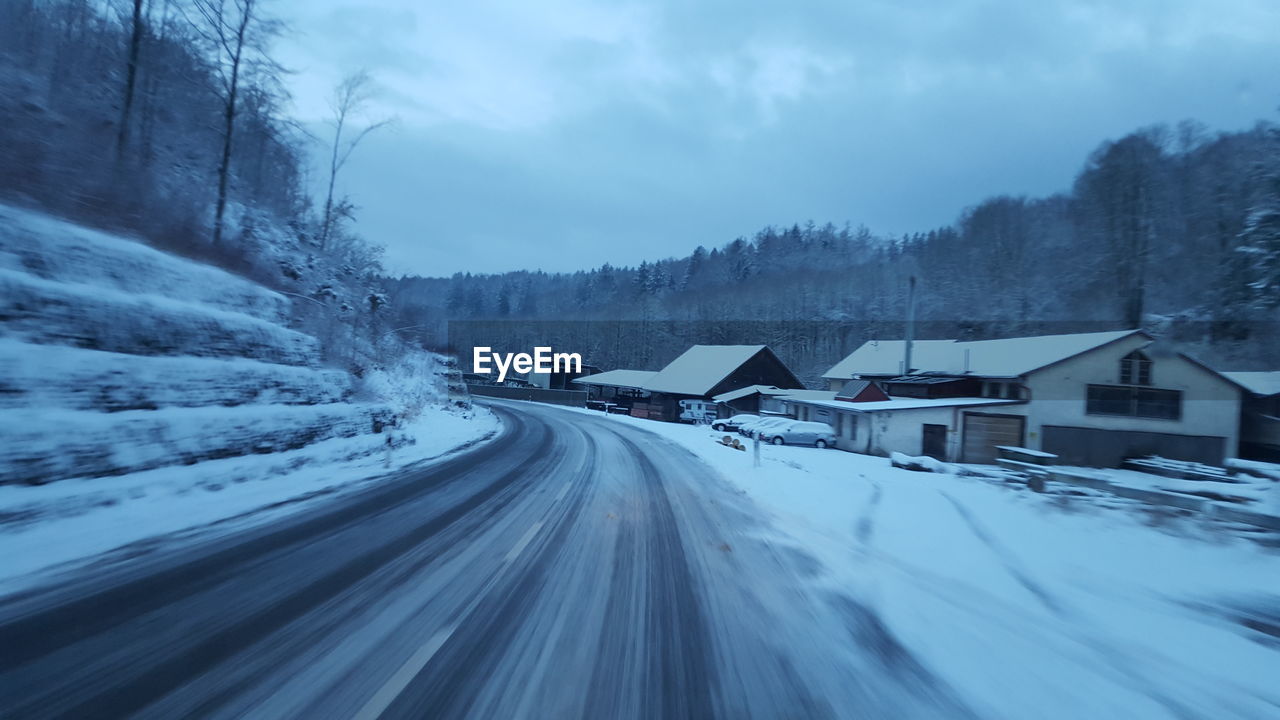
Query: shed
(746,400)
(624,387)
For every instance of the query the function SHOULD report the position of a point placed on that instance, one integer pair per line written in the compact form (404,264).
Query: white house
(1091,398)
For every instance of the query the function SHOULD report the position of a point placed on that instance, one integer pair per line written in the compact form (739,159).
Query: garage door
(1108,448)
(982,433)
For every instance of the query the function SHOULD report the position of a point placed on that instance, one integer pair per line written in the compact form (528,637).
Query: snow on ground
(155,394)
(53,527)
(1063,605)
(1250,493)
(55,376)
(57,250)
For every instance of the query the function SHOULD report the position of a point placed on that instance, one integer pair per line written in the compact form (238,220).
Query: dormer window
(1135,369)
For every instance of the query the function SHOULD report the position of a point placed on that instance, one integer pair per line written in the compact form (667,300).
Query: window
(1002,390)
(1134,402)
(1135,369)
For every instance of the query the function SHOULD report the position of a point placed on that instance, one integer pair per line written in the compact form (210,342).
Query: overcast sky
(562,134)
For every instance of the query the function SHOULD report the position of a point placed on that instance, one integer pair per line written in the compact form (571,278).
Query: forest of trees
(166,119)
(1173,230)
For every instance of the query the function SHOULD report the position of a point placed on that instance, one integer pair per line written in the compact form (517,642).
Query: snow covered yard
(1068,604)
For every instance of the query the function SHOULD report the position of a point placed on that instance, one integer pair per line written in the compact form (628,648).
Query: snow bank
(97,318)
(57,250)
(163,394)
(1270,471)
(60,525)
(71,378)
(923,463)
(46,445)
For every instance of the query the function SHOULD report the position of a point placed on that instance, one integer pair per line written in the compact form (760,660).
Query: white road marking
(563,490)
(515,551)
(382,699)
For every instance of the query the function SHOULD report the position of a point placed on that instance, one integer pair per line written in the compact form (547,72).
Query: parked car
(800,433)
(698,411)
(734,422)
(749,429)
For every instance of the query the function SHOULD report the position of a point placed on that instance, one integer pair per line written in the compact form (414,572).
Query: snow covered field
(1064,605)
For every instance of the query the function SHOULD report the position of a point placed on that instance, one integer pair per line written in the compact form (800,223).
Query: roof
(618,378)
(701,368)
(1005,358)
(1258,383)
(827,398)
(861,391)
(851,389)
(749,390)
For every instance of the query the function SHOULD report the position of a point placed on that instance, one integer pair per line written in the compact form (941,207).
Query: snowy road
(570,568)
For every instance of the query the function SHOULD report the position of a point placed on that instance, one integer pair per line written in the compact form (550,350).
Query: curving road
(574,567)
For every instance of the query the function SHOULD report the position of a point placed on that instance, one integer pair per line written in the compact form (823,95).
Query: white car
(750,429)
(734,422)
(800,433)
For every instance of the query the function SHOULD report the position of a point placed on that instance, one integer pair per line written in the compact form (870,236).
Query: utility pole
(911,325)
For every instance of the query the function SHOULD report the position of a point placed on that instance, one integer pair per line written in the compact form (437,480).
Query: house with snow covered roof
(701,372)
(1090,398)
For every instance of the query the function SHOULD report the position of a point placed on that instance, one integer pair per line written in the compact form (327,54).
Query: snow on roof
(827,398)
(1258,383)
(701,368)
(618,378)
(1008,357)
(749,390)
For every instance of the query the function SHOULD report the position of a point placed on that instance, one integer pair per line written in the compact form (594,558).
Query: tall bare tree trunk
(229,114)
(328,198)
(131,76)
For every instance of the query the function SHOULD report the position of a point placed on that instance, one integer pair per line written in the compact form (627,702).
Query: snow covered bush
(407,385)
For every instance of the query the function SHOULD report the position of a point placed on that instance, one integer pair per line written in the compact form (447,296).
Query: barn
(702,372)
(705,371)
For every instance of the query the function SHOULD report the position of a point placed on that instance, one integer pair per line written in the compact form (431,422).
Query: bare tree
(131,77)
(238,35)
(350,99)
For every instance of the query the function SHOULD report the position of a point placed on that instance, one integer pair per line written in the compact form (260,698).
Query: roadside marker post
(755,449)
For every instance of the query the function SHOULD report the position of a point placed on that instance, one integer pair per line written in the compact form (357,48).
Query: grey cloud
(645,144)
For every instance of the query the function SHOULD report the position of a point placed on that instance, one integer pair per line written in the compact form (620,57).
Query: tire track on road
(653,594)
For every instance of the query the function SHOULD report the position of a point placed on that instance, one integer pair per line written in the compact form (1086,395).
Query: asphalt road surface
(574,567)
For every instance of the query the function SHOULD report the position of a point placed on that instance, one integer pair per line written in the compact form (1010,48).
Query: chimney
(911,326)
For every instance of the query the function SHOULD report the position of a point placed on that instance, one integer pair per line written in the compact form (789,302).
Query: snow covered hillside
(120,360)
